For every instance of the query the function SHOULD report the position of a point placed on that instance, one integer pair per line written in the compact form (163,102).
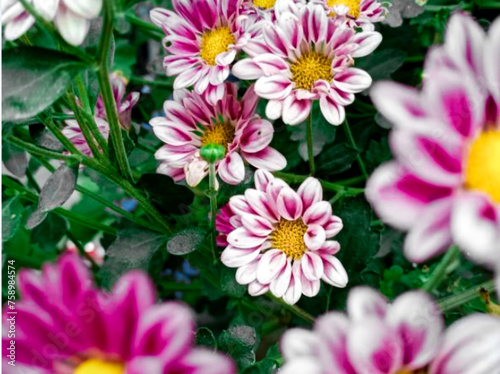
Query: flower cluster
(65,325)
(71,17)
(280,240)
(406,336)
(444,186)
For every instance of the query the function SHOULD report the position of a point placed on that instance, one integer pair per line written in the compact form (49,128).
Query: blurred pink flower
(191,122)
(444,185)
(305,56)
(356,13)
(281,239)
(203,38)
(71,17)
(65,325)
(404,337)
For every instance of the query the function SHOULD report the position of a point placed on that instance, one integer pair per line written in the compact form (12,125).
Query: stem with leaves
(310,145)
(355,146)
(452,255)
(107,91)
(212,194)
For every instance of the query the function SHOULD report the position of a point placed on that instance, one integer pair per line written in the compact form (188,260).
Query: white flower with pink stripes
(444,185)
(356,13)
(203,38)
(405,337)
(305,56)
(191,122)
(282,240)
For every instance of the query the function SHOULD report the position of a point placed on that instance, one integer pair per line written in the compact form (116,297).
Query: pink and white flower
(71,17)
(65,325)
(124,108)
(203,38)
(404,337)
(281,239)
(356,13)
(444,185)
(191,121)
(305,56)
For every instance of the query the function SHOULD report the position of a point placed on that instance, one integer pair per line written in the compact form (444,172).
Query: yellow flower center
(310,68)
(482,171)
(266,4)
(418,371)
(214,42)
(353,6)
(288,236)
(94,366)
(220,133)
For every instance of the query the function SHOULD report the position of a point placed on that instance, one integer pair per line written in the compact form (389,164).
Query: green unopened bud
(212,152)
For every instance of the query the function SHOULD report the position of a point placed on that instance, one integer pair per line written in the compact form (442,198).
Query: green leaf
(12,214)
(14,159)
(229,284)
(381,64)
(170,197)
(239,342)
(132,249)
(206,337)
(50,232)
(186,241)
(33,78)
(336,159)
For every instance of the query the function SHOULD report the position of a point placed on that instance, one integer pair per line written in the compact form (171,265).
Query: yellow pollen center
(418,371)
(310,68)
(288,236)
(482,171)
(266,4)
(220,133)
(94,366)
(353,6)
(214,42)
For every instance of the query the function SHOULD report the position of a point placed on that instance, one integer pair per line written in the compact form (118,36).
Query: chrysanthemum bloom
(203,38)
(191,122)
(71,17)
(405,337)
(356,13)
(124,108)
(444,185)
(65,325)
(281,240)
(302,57)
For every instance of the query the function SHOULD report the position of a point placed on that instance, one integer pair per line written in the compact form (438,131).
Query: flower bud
(212,152)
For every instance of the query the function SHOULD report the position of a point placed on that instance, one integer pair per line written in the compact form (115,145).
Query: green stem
(106,203)
(147,27)
(107,92)
(40,152)
(56,131)
(355,146)
(213,207)
(75,217)
(354,180)
(310,145)
(52,30)
(81,249)
(82,122)
(452,255)
(454,301)
(299,312)
(90,124)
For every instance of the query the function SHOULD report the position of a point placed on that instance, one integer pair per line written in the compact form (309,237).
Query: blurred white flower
(71,17)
